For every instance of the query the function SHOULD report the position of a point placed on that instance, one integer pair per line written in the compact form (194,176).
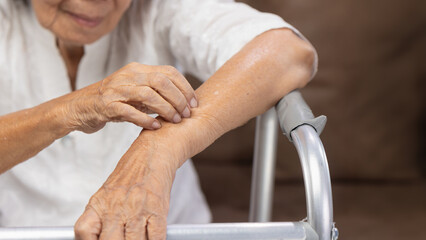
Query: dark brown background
(370,84)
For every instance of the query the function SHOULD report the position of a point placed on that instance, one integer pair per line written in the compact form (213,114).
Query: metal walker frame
(299,125)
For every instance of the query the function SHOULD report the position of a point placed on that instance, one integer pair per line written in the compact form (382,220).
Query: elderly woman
(68,67)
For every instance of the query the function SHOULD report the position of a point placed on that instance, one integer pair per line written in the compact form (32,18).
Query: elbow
(294,57)
(307,61)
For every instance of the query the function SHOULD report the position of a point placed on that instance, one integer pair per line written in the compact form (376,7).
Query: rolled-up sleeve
(203,35)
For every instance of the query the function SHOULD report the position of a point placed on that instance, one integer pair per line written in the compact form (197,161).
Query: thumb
(88,226)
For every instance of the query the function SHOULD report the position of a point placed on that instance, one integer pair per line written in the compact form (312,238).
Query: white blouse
(52,188)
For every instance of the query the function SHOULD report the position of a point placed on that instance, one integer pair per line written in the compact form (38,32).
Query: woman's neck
(72,55)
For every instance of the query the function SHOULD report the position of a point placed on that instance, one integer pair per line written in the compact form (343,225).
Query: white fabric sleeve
(203,35)
(5,12)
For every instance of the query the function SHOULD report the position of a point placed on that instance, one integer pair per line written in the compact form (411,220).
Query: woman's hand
(133,205)
(130,94)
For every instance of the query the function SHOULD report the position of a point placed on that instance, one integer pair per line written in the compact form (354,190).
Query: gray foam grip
(293,112)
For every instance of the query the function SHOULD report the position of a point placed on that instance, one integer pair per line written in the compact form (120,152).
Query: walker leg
(263,167)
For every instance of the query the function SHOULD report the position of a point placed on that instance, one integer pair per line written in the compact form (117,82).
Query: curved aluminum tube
(262,182)
(215,231)
(27,233)
(317,180)
(243,231)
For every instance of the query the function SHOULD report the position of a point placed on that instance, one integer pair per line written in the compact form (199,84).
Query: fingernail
(176,118)
(193,103)
(186,113)
(156,125)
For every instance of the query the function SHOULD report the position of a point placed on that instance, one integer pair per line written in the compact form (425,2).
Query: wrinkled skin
(129,95)
(79,22)
(134,206)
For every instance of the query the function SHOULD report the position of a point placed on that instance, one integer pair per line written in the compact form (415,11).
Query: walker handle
(294,112)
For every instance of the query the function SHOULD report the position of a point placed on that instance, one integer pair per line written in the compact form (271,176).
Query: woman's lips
(86,21)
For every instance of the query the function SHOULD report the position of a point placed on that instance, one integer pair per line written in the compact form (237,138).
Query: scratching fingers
(165,86)
(150,99)
(125,112)
(182,83)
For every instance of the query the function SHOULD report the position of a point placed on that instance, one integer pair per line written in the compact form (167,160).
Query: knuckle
(104,82)
(120,111)
(113,111)
(133,65)
(109,91)
(169,69)
(131,69)
(173,72)
(163,81)
(81,228)
(148,94)
(157,76)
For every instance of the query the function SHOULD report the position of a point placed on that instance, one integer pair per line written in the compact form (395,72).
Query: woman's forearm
(251,82)
(128,94)
(25,133)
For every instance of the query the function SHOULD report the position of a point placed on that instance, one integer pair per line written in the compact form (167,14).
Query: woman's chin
(79,38)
